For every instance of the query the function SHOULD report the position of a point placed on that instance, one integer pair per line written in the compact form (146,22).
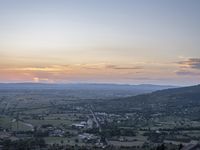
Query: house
(78,125)
(90,123)
(4,135)
(57,133)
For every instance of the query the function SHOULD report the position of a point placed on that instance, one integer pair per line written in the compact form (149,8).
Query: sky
(100,41)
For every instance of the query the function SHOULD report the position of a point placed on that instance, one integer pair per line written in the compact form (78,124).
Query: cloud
(190,63)
(123,67)
(37,79)
(140,78)
(187,73)
(50,69)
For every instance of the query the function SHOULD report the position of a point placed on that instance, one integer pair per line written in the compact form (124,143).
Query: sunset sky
(100,41)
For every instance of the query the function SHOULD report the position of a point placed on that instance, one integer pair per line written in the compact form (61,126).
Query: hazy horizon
(89,83)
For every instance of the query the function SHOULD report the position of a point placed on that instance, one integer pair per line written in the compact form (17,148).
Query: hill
(178,102)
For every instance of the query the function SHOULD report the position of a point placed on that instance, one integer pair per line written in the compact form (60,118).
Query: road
(95,119)
(97,123)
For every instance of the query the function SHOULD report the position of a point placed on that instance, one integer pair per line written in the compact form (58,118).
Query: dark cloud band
(191,63)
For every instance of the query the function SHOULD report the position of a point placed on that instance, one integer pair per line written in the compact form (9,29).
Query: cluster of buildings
(89,124)
(53,131)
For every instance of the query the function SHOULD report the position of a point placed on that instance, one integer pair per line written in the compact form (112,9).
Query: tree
(180,146)
(161,147)
(76,140)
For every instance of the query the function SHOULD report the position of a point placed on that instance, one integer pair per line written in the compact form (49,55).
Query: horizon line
(97,83)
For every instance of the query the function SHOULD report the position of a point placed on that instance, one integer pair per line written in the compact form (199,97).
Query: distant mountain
(145,87)
(88,90)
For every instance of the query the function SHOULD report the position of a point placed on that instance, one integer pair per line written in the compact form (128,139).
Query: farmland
(132,122)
